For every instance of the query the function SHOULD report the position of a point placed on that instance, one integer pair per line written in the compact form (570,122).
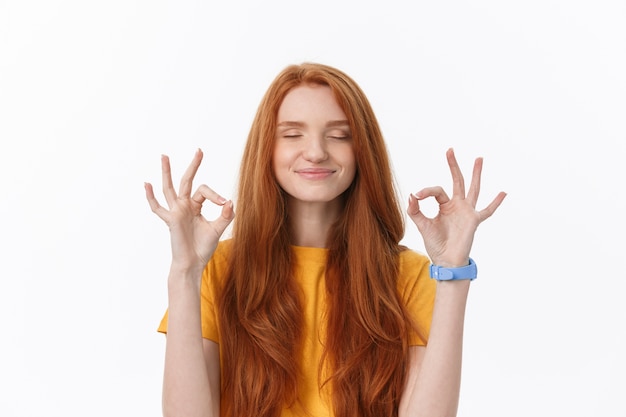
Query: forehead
(310,101)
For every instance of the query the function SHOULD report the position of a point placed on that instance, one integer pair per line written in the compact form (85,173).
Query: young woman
(312,307)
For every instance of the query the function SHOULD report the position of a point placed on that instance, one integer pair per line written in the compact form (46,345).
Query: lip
(315,173)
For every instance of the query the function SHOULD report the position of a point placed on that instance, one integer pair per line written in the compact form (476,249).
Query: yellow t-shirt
(414,286)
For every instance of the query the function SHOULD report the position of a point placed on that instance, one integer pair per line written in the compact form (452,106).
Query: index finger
(186,182)
(458,183)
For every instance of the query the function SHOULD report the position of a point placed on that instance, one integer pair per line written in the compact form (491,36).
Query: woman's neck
(311,222)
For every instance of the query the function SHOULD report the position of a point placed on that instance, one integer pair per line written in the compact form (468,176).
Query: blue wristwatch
(452,274)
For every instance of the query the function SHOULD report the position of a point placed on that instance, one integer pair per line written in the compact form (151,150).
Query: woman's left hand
(449,235)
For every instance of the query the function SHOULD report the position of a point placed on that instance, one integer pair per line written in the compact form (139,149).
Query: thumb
(226,217)
(415,213)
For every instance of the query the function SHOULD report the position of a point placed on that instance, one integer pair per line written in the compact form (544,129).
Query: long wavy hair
(261,315)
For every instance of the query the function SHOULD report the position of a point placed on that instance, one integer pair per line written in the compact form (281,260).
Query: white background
(92,92)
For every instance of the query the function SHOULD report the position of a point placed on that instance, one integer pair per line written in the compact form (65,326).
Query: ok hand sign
(449,235)
(193,238)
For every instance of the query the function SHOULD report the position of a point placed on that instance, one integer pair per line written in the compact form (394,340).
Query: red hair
(261,315)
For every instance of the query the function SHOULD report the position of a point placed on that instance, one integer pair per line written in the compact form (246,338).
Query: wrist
(184,274)
(457,286)
(186,267)
(451,262)
(444,273)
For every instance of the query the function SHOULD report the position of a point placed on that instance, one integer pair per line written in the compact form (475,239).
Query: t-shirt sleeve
(417,290)
(209,288)
(208,304)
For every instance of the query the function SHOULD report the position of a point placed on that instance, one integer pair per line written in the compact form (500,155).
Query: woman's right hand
(193,238)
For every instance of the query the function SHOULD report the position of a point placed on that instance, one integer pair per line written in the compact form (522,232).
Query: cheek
(352,173)
(277,155)
(278,160)
(281,163)
(349,161)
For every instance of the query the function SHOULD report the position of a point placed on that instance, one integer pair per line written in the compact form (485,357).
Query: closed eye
(340,137)
(339,133)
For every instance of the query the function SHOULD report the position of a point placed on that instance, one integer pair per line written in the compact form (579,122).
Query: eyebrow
(332,123)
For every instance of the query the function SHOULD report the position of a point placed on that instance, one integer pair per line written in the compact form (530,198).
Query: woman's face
(313,153)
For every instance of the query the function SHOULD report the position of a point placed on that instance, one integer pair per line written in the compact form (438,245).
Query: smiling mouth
(315,173)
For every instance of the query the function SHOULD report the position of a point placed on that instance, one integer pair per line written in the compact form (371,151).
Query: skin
(191,380)
(434,379)
(314,167)
(313,160)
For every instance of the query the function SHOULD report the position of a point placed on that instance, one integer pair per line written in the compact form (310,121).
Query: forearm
(433,390)
(187,387)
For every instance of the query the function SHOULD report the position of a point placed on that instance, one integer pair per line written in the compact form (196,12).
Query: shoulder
(413,272)
(222,252)
(410,260)
(218,264)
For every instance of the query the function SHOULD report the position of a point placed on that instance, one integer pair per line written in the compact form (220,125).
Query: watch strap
(452,274)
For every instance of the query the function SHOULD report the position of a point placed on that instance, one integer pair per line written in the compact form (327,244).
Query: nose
(315,149)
